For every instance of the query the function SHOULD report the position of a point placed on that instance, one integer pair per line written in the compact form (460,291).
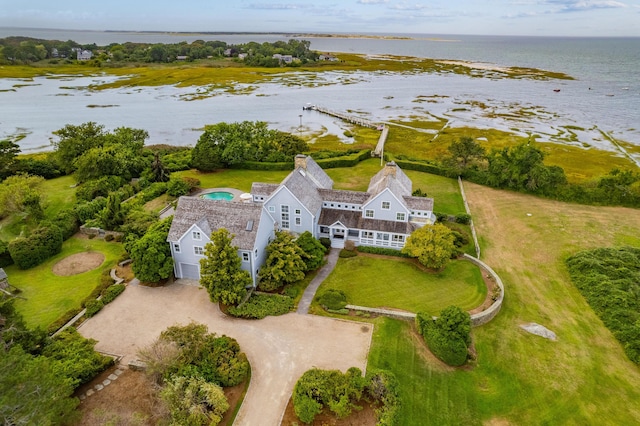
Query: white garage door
(190,271)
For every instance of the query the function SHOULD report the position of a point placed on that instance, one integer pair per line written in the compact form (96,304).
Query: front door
(338,233)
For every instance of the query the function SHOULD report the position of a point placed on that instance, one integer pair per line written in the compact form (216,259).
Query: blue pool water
(218,195)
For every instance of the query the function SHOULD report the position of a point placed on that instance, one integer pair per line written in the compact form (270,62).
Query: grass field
(48,295)
(582,378)
(401,284)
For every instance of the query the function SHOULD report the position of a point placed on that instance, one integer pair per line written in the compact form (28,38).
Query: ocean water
(603,98)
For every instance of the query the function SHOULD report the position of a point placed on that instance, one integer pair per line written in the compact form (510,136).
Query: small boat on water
(556,90)
(308,107)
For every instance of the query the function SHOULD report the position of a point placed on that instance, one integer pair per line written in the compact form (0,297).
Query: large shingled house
(305,200)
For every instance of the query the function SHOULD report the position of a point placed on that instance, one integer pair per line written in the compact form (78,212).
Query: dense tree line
(25,50)
(609,279)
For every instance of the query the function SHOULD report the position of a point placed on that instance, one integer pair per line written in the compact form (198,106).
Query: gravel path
(279,349)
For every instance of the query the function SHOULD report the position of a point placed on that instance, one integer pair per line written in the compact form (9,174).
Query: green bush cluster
(216,359)
(463,218)
(101,187)
(345,254)
(326,242)
(86,211)
(181,186)
(177,160)
(349,160)
(30,251)
(382,386)
(65,220)
(262,305)
(93,307)
(333,299)
(448,336)
(382,250)
(112,292)
(609,279)
(5,256)
(75,358)
(62,320)
(317,389)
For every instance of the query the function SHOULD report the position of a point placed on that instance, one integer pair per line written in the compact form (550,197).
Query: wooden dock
(379,150)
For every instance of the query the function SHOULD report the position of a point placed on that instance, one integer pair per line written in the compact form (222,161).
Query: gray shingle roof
(264,189)
(342,196)
(304,189)
(392,177)
(419,203)
(318,174)
(354,220)
(211,215)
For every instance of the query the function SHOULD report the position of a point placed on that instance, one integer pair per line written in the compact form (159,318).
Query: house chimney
(390,169)
(301,162)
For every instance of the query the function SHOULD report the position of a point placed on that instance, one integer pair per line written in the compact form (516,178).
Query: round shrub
(93,307)
(344,253)
(333,299)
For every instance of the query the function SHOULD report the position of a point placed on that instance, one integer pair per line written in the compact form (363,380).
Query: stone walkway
(323,273)
(100,386)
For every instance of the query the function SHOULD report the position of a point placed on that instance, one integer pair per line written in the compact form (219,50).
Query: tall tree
(8,153)
(313,250)
(220,271)
(284,264)
(465,150)
(73,141)
(433,245)
(151,254)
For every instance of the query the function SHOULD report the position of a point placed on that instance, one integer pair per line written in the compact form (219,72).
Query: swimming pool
(218,195)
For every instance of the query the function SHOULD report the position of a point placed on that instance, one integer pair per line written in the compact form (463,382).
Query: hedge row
(326,163)
(30,251)
(425,167)
(263,305)
(382,250)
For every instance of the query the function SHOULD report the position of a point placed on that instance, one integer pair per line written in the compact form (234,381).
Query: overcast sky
(497,17)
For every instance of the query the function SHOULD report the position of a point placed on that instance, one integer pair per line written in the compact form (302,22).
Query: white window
(298,212)
(285,224)
(398,238)
(298,221)
(198,250)
(368,213)
(400,216)
(284,209)
(196,235)
(386,205)
(272,209)
(176,248)
(367,234)
(245,257)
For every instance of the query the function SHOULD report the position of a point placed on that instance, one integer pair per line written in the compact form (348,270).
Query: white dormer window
(196,235)
(245,257)
(400,216)
(176,248)
(386,205)
(368,214)
(272,209)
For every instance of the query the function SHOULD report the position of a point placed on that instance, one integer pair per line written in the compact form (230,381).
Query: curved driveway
(279,349)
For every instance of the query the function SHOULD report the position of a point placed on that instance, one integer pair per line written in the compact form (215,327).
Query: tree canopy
(151,254)
(464,151)
(284,263)
(225,144)
(433,245)
(313,250)
(220,271)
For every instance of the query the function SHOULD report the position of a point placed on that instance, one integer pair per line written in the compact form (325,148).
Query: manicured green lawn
(398,283)
(231,178)
(444,191)
(48,295)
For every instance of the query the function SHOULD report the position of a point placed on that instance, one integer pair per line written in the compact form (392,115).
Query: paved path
(279,349)
(323,273)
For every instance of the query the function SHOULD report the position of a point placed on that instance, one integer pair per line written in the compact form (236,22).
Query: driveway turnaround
(279,349)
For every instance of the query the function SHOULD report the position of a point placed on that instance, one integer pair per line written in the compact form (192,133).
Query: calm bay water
(604,97)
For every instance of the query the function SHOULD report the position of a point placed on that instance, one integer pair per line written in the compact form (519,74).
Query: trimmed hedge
(112,292)
(30,251)
(447,336)
(93,307)
(425,167)
(262,305)
(345,254)
(345,161)
(383,251)
(256,165)
(333,300)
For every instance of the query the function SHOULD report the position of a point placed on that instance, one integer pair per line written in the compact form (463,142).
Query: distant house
(84,55)
(54,53)
(241,56)
(227,52)
(287,59)
(181,58)
(384,216)
(327,57)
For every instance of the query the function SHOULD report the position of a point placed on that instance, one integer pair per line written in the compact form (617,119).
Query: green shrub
(291,291)
(62,320)
(327,388)
(67,221)
(5,257)
(463,218)
(112,292)
(451,351)
(382,386)
(333,299)
(262,305)
(30,251)
(383,251)
(75,358)
(181,186)
(448,336)
(326,242)
(441,217)
(345,254)
(345,161)
(93,307)
(313,250)
(85,211)
(101,187)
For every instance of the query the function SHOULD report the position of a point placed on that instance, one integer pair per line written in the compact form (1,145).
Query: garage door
(190,271)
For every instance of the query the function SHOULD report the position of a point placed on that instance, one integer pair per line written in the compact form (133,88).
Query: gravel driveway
(279,349)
